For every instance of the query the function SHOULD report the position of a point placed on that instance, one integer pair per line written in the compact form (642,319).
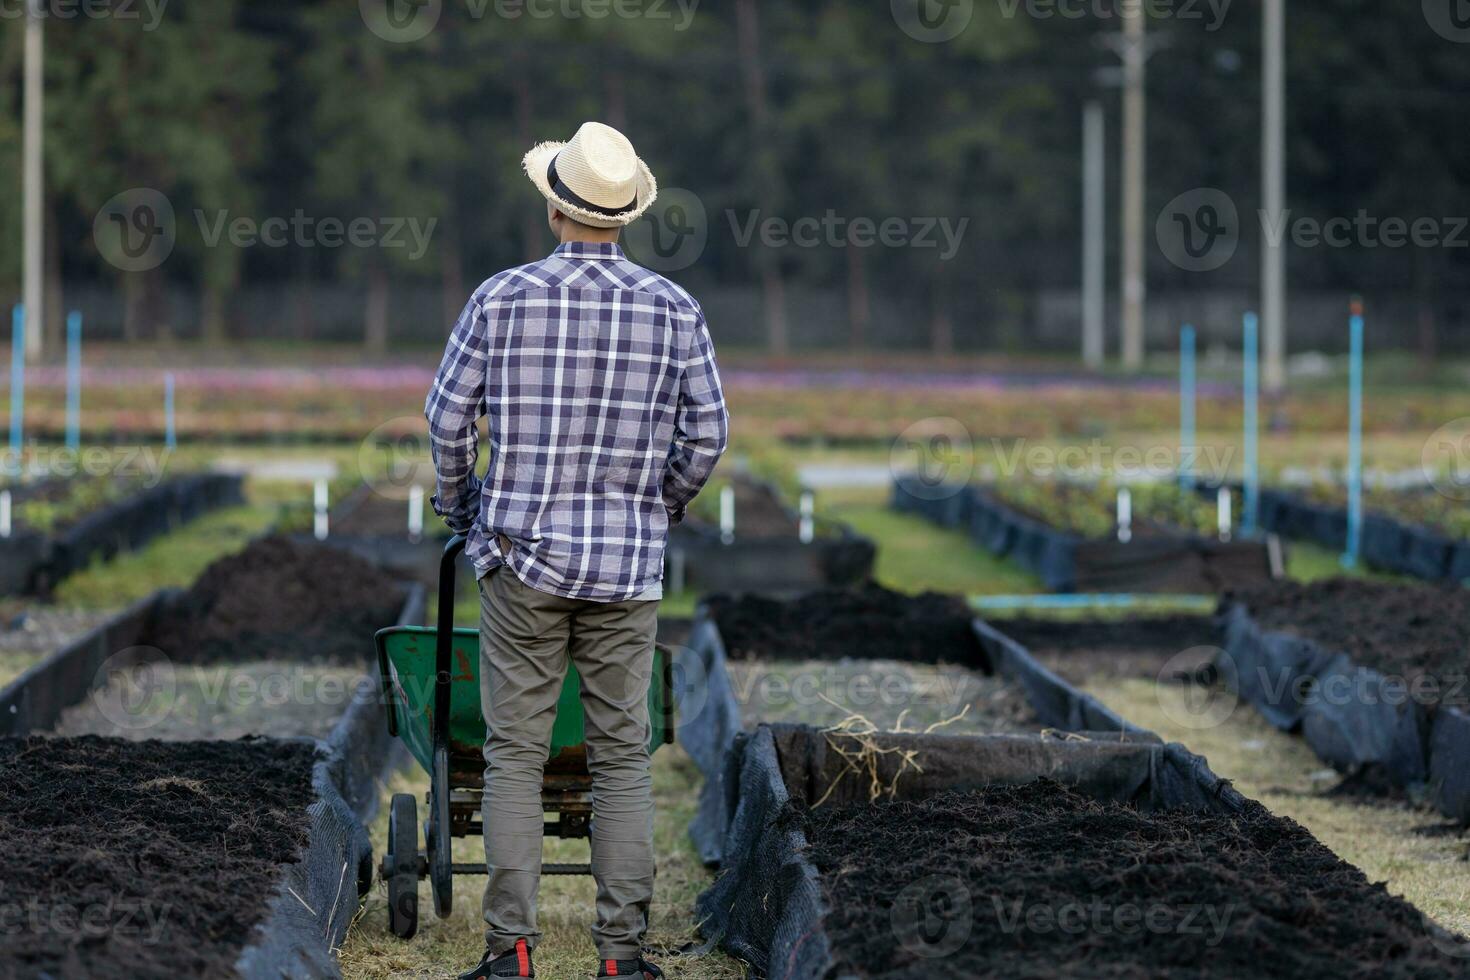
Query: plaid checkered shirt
(605,419)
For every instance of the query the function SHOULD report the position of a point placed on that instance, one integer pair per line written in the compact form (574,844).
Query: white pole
(1093,191)
(319,524)
(1273,195)
(415,512)
(1222,507)
(4,513)
(1135,58)
(34,180)
(808,515)
(1125,515)
(727,514)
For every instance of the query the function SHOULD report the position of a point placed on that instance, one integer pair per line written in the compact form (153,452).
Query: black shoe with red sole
(514,962)
(639,969)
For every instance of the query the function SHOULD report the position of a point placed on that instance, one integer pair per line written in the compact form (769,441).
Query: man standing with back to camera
(605,419)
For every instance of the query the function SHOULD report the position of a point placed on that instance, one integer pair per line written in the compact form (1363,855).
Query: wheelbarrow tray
(406,665)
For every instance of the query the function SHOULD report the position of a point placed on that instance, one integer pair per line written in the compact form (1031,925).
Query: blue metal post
(17,382)
(1187,448)
(73,380)
(170,432)
(1251,383)
(1355,436)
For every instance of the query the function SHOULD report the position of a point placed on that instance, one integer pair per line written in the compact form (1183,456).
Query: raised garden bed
(1374,675)
(295,611)
(1408,532)
(1010,856)
(1065,535)
(145,860)
(1081,650)
(940,659)
(68,539)
(766,555)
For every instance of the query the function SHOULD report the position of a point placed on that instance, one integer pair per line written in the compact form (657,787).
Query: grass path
(445,948)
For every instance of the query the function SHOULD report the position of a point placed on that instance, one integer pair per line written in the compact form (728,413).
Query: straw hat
(596,178)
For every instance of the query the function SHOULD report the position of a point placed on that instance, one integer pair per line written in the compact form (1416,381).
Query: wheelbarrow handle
(444,638)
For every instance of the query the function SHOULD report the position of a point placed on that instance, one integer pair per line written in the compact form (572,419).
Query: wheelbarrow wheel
(401,866)
(440,842)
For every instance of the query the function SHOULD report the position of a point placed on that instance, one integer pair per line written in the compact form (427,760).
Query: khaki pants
(526,638)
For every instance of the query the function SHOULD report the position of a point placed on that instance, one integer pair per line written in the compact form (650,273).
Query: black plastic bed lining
(1173,562)
(767,906)
(35,562)
(710,719)
(1351,716)
(319,894)
(1387,544)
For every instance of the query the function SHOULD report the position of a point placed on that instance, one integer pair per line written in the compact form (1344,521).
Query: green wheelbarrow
(431,686)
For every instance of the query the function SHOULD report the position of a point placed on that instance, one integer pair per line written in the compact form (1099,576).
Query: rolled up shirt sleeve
(454,406)
(701,426)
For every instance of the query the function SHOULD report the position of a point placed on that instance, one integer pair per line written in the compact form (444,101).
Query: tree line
(762,109)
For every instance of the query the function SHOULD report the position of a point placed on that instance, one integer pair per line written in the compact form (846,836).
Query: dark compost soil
(1408,630)
(281,599)
(868,622)
(1039,881)
(142,860)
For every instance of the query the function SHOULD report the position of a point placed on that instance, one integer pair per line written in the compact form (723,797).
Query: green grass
(915,555)
(444,947)
(174,560)
(1310,562)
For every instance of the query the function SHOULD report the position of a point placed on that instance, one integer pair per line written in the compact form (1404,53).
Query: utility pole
(33,181)
(1093,191)
(1273,195)
(1135,56)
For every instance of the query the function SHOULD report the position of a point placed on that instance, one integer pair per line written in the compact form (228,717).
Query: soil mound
(281,599)
(866,623)
(1403,630)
